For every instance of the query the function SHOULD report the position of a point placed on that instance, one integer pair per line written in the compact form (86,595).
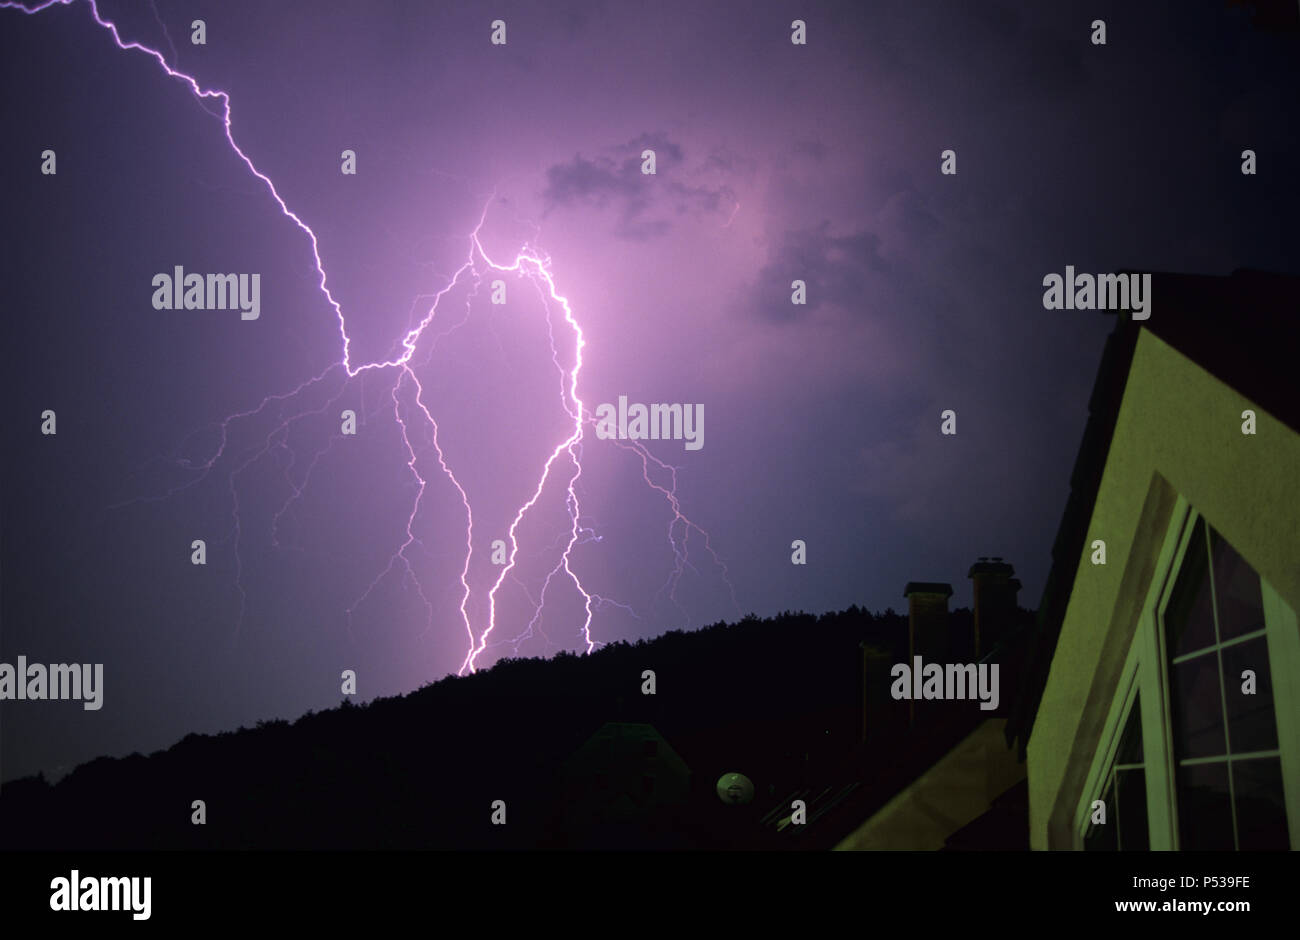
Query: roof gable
(1244,329)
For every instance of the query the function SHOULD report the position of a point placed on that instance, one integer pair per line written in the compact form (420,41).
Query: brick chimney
(995,591)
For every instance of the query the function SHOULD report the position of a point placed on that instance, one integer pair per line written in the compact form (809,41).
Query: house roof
(1245,330)
(636,744)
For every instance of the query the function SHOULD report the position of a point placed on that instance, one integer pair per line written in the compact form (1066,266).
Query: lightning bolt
(407,396)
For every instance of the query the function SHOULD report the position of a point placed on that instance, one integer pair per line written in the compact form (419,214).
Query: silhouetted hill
(777,699)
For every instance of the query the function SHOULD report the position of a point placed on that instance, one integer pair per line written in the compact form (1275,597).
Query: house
(1164,682)
(623,775)
(1156,700)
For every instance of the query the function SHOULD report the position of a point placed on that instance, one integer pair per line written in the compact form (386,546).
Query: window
(1201,746)
(1124,794)
(1227,764)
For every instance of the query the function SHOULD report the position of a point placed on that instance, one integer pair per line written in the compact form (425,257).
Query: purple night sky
(774,162)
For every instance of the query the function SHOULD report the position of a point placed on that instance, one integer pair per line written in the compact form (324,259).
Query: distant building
(624,772)
(958,785)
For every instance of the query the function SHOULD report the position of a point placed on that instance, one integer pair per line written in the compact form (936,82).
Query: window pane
(1197,707)
(1189,619)
(1204,810)
(1131,787)
(1130,745)
(1252,725)
(1102,838)
(1261,811)
(1236,588)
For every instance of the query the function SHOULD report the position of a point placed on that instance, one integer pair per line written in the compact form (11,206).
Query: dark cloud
(641,200)
(586,181)
(836,269)
(668,155)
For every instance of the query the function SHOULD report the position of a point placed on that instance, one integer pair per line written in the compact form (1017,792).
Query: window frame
(1146,671)
(1128,689)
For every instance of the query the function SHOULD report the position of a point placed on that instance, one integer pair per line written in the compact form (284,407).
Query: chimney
(995,591)
(927,625)
(927,619)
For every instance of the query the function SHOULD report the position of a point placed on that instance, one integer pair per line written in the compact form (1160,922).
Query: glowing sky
(774,162)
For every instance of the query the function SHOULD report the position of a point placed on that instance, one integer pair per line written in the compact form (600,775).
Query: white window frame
(1146,671)
(1112,731)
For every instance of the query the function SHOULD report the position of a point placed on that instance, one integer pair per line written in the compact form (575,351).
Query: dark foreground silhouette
(579,757)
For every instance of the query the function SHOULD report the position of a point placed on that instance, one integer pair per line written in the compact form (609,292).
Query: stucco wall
(1178,433)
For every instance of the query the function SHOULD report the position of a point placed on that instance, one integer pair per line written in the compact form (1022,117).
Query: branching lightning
(407,396)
